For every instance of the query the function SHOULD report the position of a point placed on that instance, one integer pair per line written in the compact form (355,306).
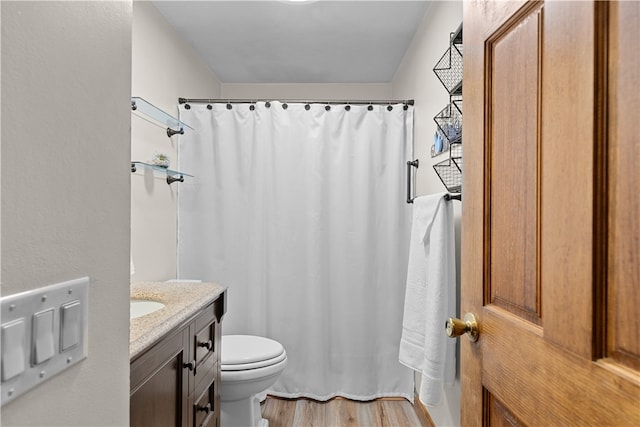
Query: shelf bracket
(171,132)
(172,179)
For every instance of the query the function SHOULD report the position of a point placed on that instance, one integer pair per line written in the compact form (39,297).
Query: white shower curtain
(302,214)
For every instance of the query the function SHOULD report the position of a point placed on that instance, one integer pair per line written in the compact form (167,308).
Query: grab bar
(415,163)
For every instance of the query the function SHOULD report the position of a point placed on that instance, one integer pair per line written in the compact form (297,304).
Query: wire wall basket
(456,100)
(448,136)
(450,175)
(455,150)
(455,153)
(458,162)
(450,170)
(449,69)
(449,120)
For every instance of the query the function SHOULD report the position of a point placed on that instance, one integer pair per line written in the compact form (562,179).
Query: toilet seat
(246,352)
(249,365)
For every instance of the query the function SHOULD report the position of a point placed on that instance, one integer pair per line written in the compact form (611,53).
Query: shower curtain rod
(301,101)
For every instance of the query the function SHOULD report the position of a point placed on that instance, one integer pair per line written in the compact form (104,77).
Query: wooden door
(551,213)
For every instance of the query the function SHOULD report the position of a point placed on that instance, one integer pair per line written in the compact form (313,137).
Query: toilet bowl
(249,366)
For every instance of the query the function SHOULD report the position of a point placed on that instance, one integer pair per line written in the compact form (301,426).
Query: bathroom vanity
(175,355)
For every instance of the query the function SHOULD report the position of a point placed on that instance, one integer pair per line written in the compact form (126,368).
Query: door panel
(512,183)
(624,243)
(568,103)
(498,415)
(551,213)
(542,384)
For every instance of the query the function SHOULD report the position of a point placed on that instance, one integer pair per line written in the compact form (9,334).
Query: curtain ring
(389,107)
(229,106)
(187,106)
(328,107)
(267,104)
(252,106)
(209,107)
(285,106)
(370,107)
(347,107)
(307,106)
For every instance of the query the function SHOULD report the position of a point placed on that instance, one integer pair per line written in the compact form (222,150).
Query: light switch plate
(43,353)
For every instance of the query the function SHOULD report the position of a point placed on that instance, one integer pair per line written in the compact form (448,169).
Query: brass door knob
(469,326)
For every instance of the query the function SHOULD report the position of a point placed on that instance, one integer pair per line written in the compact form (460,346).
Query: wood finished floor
(340,412)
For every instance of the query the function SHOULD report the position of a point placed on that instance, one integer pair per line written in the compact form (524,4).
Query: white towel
(430,297)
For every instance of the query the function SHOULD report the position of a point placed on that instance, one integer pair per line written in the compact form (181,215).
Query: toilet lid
(241,352)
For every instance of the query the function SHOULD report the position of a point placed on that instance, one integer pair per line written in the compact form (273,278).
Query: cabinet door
(159,384)
(205,409)
(205,349)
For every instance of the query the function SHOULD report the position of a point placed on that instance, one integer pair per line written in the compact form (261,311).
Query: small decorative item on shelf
(161,159)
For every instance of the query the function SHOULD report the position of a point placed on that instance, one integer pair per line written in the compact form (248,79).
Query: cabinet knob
(208,345)
(190,365)
(205,409)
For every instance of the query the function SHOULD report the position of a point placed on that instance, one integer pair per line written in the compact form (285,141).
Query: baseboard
(421,409)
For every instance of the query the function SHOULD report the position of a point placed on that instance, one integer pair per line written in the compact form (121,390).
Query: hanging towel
(430,297)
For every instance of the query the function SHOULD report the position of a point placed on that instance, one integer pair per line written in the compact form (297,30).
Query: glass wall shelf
(172,175)
(173,125)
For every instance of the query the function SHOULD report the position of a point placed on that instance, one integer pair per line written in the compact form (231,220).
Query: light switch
(43,343)
(13,351)
(44,331)
(70,325)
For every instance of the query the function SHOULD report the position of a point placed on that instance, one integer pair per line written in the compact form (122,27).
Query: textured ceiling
(283,42)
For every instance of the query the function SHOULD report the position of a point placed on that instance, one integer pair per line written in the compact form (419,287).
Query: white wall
(66,80)
(164,68)
(415,79)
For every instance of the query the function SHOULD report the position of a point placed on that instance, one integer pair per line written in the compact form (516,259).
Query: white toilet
(249,366)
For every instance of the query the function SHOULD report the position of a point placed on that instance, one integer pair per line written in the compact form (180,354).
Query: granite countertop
(182,300)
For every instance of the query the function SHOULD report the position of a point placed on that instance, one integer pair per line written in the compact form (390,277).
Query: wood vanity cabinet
(175,382)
